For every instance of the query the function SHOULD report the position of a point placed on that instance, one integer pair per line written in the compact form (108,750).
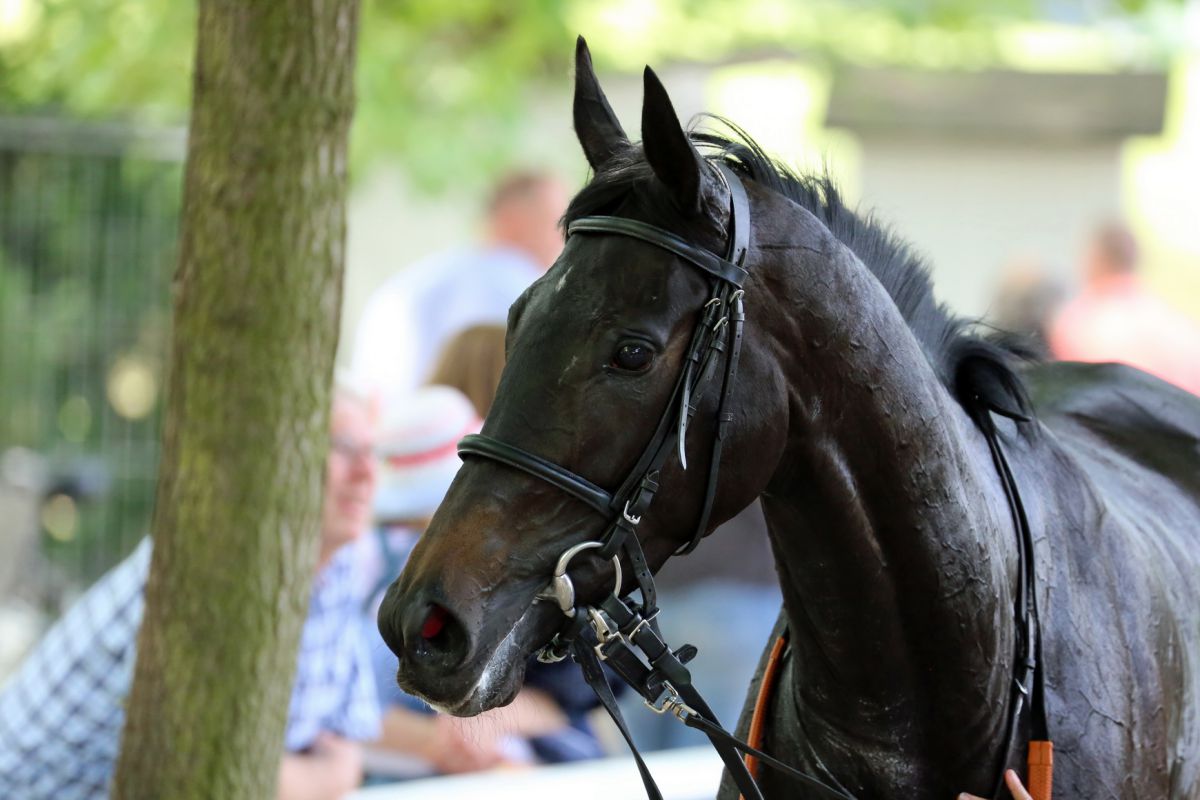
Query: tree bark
(257,298)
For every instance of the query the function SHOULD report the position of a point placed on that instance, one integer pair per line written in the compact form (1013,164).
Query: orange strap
(762,703)
(1041,770)
(1041,753)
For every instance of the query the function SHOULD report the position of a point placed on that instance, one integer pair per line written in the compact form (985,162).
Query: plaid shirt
(61,714)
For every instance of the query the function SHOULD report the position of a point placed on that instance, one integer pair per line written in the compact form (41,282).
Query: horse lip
(482,699)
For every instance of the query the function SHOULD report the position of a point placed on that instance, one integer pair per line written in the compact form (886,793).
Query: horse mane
(978,368)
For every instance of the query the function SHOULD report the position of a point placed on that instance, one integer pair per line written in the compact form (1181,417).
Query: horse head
(595,350)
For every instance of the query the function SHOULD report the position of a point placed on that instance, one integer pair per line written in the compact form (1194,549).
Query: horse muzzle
(455,662)
(432,642)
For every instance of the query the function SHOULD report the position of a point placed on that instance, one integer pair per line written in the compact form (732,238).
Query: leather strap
(593,673)
(1027,682)
(660,670)
(709,262)
(737,318)
(762,703)
(717,734)
(739,216)
(574,485)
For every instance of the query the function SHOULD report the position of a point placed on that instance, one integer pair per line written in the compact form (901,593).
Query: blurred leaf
(441,84)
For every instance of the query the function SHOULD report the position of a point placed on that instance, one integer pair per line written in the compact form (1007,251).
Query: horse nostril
(434,623)
(437,638)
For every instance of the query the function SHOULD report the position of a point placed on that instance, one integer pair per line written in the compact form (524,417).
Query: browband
(728,269)
(709,262)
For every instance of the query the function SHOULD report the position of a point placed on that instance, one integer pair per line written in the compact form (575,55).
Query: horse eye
(632,357)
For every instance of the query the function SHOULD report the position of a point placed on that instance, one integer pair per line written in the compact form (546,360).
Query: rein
(624,634)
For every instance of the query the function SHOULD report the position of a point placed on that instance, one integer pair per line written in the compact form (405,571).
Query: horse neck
(892,538)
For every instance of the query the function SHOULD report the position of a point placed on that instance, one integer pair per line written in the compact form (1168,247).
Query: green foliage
(100,58)
(86,252)
(442,83)
(439,83)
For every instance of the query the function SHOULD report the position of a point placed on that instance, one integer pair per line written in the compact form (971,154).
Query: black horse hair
(977,367)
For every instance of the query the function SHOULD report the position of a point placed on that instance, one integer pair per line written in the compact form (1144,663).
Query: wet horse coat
(1119,589)
(856,418)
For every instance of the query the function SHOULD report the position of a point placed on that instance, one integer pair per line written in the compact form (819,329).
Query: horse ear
(670,152)
(596,125)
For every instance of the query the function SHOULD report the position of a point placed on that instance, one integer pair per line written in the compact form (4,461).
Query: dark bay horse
(857,416)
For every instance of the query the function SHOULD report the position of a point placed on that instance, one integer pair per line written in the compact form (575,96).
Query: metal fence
(88,220)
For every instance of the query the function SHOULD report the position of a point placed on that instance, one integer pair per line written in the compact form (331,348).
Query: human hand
(340,757)
(330,768)
(1014,786)
(450,750)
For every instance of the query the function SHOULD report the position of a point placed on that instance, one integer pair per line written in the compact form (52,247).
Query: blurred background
(993,134)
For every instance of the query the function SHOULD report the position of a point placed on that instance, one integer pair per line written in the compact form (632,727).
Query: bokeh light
(75,419)
(132,386)
(60,517)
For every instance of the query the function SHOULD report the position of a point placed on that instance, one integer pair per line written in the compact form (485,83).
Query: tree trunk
(257,298)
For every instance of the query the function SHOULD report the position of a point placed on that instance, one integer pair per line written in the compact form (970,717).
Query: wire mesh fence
(88,221)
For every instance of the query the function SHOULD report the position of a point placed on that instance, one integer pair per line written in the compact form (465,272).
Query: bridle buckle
(669,702)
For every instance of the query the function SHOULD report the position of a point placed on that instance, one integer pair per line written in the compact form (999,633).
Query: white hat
(418,451)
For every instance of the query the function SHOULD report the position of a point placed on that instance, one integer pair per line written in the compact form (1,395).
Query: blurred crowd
(1113,316)
(425,365)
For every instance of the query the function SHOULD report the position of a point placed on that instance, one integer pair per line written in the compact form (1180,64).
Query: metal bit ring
(562,590)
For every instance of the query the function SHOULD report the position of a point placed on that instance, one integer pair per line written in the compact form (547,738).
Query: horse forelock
(977,367)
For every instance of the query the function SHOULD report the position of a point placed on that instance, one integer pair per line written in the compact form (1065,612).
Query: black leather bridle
(719,332)
(625,634)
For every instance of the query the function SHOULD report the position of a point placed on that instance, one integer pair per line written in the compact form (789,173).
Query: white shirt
(414,313)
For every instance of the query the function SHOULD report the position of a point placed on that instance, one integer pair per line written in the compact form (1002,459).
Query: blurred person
(408,319)
(1117,318)
(472,362)
(62,712)
(547,722)
(1025,302)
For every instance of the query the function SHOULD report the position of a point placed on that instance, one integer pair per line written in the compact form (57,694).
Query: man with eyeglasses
(62,713)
